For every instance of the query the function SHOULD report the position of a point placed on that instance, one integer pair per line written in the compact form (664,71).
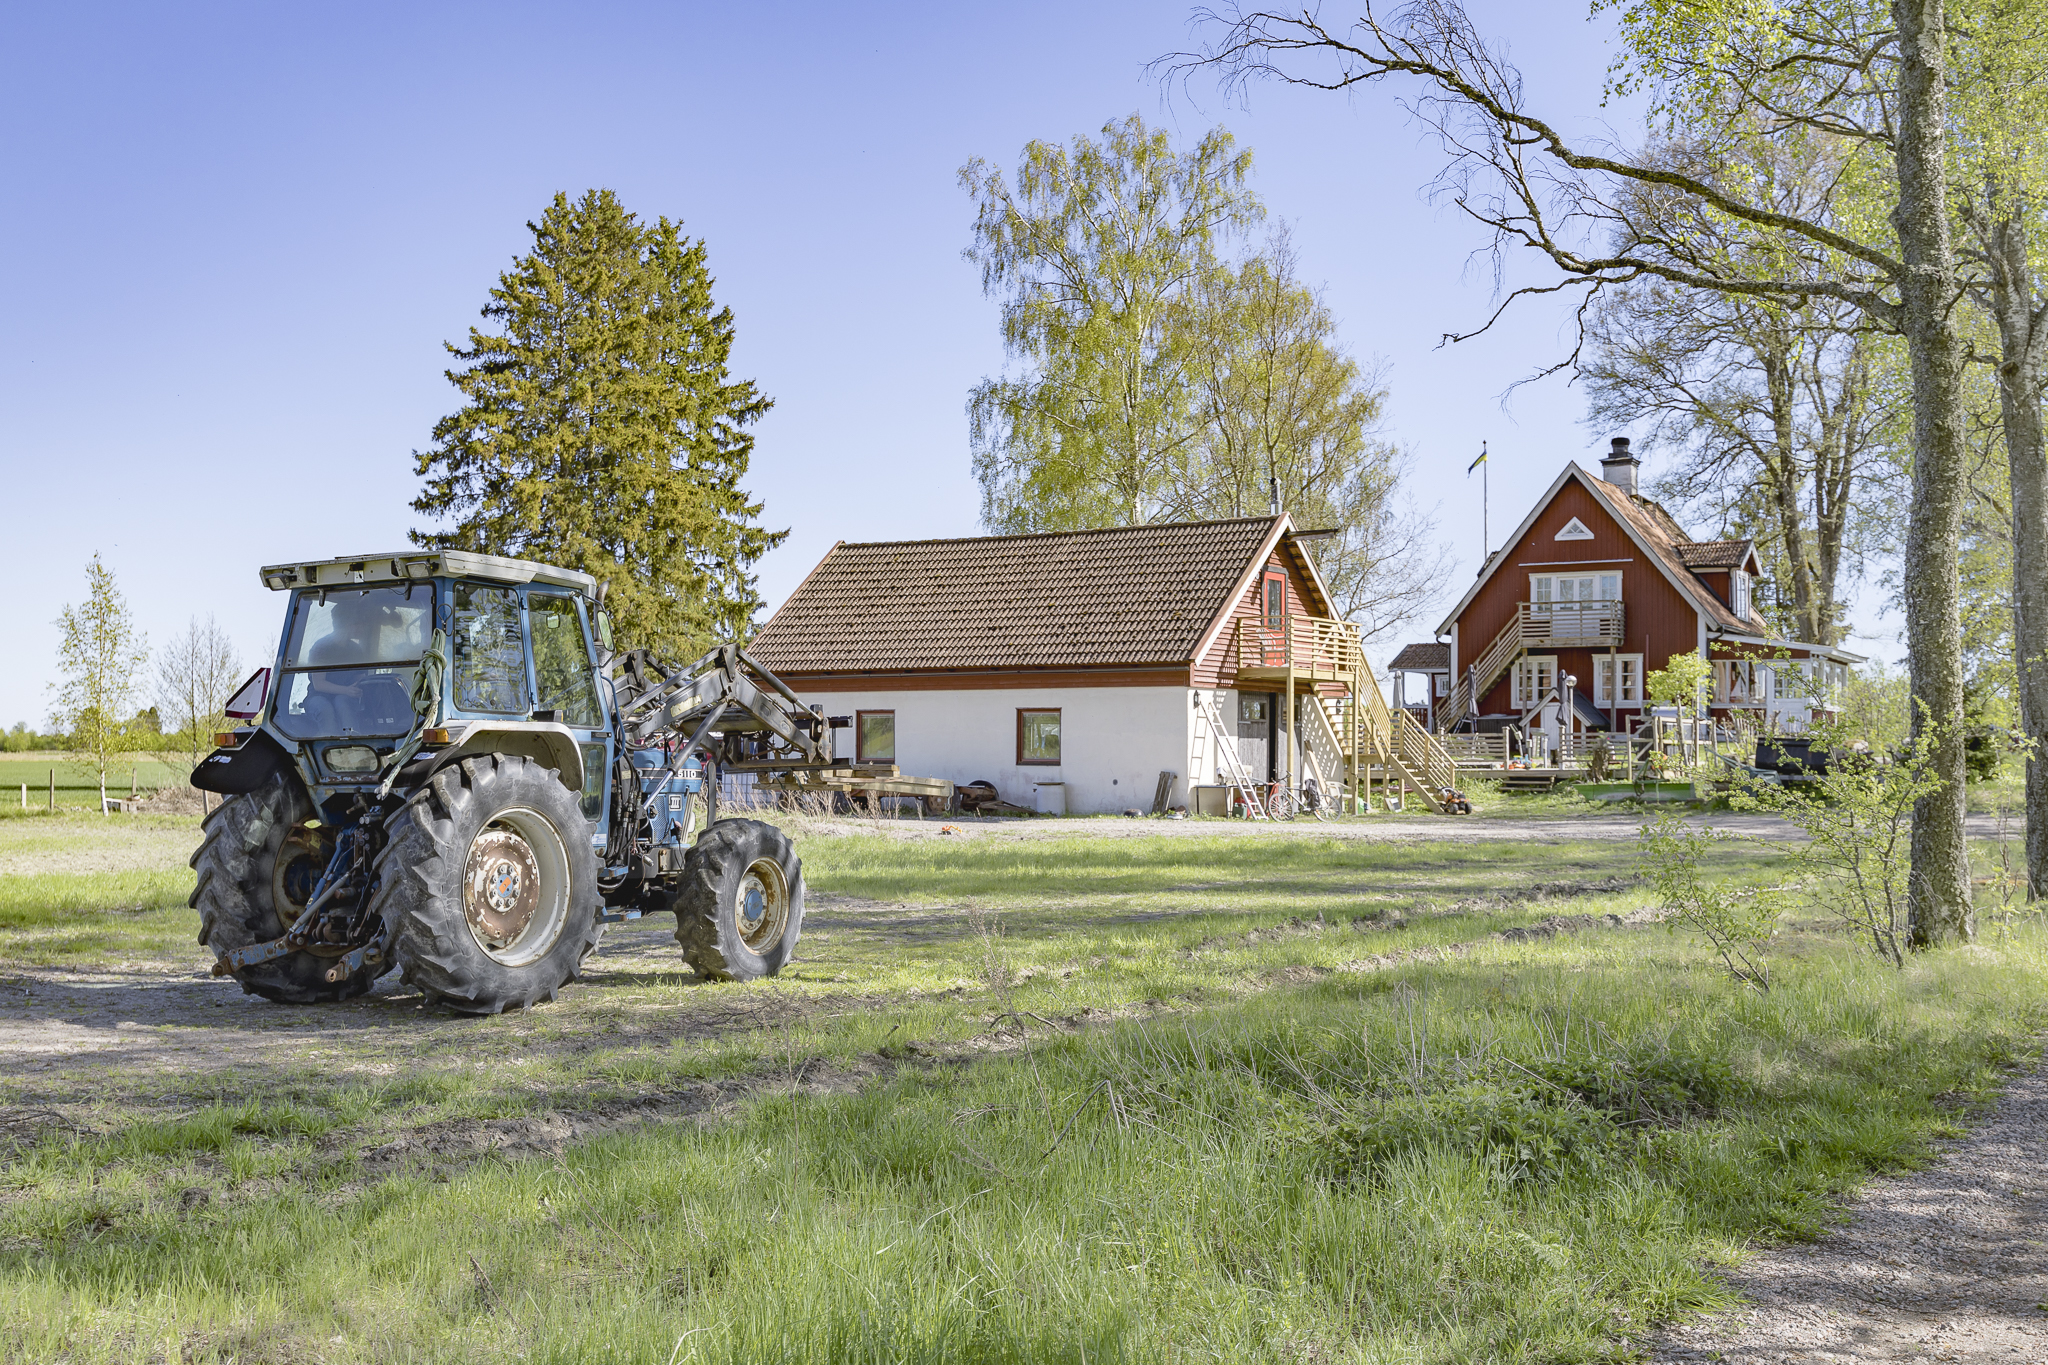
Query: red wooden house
(1600,584)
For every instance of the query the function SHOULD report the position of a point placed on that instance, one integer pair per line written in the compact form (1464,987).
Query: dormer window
(1738,592)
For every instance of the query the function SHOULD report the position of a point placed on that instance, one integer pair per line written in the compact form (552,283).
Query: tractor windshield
(350,658)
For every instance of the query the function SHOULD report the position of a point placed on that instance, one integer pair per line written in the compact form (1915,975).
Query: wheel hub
(501,887)
(761,909)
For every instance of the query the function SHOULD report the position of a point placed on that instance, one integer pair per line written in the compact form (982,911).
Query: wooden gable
(1574,531)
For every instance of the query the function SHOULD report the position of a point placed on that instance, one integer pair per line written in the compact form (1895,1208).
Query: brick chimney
(1619,468)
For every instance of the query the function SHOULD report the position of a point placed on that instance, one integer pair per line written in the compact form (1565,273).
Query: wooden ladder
(1237,777)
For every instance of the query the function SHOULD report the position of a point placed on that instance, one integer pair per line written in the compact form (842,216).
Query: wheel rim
(300,860)
(761,907)
(515,887)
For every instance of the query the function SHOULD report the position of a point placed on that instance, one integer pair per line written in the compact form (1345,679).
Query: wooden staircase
(1464,698)
(1376,733)
(1589,625)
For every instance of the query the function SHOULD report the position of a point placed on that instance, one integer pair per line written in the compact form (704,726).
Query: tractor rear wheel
(257,866)
(741,905)
(490,882)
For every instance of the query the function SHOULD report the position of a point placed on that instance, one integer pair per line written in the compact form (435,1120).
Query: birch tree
(2002,144)
(1873,78)
(196,674)
(98,656)
(1096,251)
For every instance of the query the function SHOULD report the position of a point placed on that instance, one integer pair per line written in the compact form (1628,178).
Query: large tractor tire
(257,865)
(490,883)
(741,905)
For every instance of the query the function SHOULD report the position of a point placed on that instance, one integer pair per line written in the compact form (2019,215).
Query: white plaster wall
(1114,741)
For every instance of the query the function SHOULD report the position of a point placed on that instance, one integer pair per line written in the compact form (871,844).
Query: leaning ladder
(1232,769)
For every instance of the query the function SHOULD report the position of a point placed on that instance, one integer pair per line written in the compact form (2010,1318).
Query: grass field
(77,783)
(1284,1098)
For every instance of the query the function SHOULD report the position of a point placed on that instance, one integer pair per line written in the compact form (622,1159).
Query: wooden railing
(1308,644)
(1595,625)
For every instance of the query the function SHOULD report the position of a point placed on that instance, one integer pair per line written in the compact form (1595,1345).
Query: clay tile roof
(1422,659)
(1130,595)
(1714,554)
(1662,533)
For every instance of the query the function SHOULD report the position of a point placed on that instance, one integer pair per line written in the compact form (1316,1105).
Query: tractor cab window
(561,660)
(490,665)
(348,627)
(350,658)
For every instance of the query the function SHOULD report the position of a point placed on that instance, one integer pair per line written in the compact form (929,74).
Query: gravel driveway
(1948,1264)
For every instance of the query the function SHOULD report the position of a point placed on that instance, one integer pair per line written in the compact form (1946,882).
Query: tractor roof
(412,565)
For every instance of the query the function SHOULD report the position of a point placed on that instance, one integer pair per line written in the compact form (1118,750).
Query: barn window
(1038,735)
(874,737)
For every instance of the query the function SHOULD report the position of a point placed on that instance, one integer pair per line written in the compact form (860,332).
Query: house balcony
(1308,648)
(1572,625)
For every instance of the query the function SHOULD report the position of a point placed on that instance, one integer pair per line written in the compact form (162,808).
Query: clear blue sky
(239,236)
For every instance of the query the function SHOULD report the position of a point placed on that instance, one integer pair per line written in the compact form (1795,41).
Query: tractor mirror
(604,629)
(247,703)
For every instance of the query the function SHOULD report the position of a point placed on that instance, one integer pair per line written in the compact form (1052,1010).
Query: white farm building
(1094,660)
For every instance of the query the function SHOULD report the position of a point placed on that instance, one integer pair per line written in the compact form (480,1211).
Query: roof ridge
(1266,519)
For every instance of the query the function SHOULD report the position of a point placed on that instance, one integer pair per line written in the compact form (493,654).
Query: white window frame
(1544,667)
(1604,668)
(1543,588)
(1725,673)
(1738,593)
(1787,674)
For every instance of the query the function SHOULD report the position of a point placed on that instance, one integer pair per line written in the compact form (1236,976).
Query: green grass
(1509,1151)
(1184,1189)
(77,781)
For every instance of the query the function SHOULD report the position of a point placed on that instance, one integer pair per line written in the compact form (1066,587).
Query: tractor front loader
(446,771)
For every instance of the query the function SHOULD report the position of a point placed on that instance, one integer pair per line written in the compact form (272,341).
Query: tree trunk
(1938,899)
(1781,475)
(2019,389)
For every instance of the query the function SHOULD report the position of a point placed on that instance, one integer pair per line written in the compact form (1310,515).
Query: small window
(1251,707)
(1276,601)
(1442,684)
(874,737)
(1738,592)
(1534,677)
(1735,682)
(1618,680)
(1038,736)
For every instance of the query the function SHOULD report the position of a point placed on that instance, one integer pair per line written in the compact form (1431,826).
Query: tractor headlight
(352,758)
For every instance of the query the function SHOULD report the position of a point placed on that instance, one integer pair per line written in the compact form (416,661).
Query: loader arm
(725,691)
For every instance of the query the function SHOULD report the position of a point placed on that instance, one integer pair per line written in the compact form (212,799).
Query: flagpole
(1485,504)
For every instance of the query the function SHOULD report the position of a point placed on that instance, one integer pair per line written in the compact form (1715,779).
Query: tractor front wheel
(490,880)
(260,860)
(741,906)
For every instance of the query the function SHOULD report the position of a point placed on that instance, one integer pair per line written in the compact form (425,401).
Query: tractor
(449,771)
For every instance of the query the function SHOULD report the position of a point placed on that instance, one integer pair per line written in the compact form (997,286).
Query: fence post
(53,789)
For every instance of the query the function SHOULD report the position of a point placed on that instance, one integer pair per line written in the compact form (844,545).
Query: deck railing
(1308,644)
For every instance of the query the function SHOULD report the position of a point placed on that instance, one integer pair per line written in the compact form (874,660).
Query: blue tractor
(448,771)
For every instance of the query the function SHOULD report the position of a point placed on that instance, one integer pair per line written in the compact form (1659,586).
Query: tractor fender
(548,744)
(240,770)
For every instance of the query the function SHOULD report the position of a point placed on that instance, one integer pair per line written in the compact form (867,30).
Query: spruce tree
(602,430)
